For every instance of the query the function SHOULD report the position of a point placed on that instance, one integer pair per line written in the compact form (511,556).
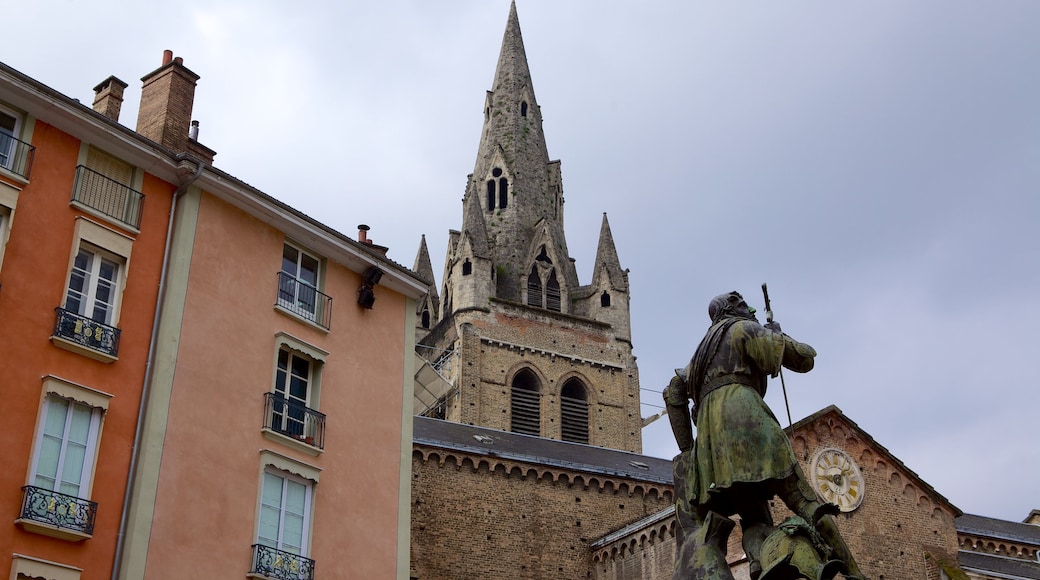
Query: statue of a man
(741,457)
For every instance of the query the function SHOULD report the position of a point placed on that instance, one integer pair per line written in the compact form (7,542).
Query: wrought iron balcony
(108,196)
(294,420)
(16,156)
(57,509)
(271,563)
(86,332)
(304,300)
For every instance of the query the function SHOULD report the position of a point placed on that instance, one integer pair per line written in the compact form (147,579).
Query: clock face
(837,478)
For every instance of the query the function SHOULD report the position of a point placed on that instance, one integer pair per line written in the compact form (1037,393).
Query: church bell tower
(518,344)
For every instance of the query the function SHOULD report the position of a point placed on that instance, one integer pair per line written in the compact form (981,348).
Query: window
(89,313)
(298,285)
(284,512)
(552,292)
(604,299)
(534,288)
(104,187)
(467,267)
(283,521)
(525,404)
(92,285)
(65,452)
(491,194)
(574,412)
(290,408)
(56,498)
(15,155)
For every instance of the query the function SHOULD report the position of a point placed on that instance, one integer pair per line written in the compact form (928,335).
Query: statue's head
(728,306)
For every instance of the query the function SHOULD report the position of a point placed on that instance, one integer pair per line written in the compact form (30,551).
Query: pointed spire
(424,267)
(474,227)
(607,259)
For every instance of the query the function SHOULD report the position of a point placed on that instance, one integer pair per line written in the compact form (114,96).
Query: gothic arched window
(491,194)
(524,404)
(604,299)
(503,192)
(552,292)
(574,412)
(467,267)
(426,318)
(534,288)
(523,109)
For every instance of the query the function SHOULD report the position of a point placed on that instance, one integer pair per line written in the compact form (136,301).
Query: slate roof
(540,451)
(999,529)
(999,566)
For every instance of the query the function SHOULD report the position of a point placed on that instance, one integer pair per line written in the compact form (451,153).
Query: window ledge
(11,175)
(291,442)
(52,531)
(302,319)
(107,218)
(83,350)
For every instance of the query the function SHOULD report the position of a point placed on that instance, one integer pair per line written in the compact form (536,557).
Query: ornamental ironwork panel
(16,156)
(273,563)
(108,196)
(304,300)
(58,509)
(294,420)
(86,332)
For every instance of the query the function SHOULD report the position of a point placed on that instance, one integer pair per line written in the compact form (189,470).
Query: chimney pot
(179,61)
(362,234)
(167,57)
(193,133)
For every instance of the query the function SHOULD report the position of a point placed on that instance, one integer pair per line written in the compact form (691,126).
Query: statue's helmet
(723,304)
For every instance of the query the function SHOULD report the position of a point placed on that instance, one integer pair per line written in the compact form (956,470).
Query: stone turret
(427,310)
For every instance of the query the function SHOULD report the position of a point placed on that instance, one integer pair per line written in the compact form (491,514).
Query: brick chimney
(108,97)
(166,100)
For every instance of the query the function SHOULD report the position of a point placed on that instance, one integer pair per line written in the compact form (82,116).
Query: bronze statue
(742,458)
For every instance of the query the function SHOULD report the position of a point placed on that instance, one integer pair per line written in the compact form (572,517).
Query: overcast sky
(877,163)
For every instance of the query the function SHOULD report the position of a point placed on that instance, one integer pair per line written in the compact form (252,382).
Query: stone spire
(607,261)
(428,308)
(514,184)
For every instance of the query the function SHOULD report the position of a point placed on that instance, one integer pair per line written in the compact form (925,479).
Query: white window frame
(90,445)
(93,279)
(58,388)
(19,121)
(286,479)
(296,305)
(108,244)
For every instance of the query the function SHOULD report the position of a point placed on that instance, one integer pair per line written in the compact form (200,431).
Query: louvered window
(552,293)
(534,288)
(574,412)
(525,404)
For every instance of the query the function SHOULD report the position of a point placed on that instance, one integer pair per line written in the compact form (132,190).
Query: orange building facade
(82,234)
(203,373)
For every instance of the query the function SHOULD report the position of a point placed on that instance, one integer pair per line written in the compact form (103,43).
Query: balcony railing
(16,156)
(304,300)
(294,420)
(57,509)
(108,196)
(86,332)
(272,563)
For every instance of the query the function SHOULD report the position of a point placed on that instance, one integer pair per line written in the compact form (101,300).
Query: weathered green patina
(741,457)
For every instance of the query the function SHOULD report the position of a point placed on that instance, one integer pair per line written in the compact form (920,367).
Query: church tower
(519,345)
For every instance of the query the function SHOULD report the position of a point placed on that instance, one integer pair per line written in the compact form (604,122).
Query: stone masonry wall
(477,517)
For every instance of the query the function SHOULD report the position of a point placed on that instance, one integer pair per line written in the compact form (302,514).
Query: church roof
(475,440)
(998,529)
(834,410)
(998,566)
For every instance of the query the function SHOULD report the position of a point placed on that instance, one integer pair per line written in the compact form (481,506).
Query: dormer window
(604,299)
(467,267)
(498,183)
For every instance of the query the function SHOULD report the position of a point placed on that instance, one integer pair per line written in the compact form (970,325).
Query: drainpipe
(146,387)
